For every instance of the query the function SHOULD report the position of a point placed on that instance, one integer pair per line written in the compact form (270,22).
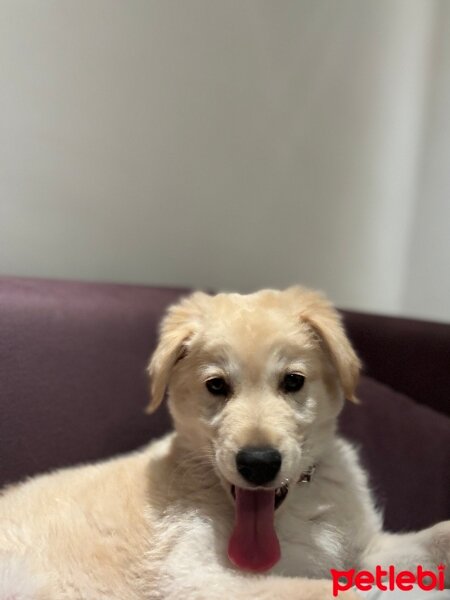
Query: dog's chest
(314,536)
(310,548)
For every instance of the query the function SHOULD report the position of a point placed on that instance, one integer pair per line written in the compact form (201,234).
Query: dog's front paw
(348,595)
(323,590)
(436,540)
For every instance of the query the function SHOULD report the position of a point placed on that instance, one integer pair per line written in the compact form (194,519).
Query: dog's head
(258,380)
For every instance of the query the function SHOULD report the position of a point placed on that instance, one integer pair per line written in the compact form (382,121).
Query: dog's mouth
(279,496)
(254,544)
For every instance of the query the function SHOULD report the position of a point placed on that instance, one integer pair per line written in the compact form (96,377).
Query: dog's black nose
(258,464)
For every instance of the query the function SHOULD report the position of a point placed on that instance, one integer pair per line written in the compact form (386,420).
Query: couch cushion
(406,448)
(72,372)
(410,355)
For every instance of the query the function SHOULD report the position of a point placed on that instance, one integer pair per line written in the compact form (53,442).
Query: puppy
(252,496)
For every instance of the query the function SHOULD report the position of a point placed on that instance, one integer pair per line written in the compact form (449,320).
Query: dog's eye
(218,386)
(292,382)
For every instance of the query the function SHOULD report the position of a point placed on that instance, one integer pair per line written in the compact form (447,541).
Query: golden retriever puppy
(253,496)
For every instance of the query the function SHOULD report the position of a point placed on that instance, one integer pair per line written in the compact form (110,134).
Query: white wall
(427,289)
(221,144)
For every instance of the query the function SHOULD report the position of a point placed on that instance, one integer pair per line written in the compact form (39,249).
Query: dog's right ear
(178,327)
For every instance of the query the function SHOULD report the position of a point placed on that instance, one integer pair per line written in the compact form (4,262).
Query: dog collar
(307,475)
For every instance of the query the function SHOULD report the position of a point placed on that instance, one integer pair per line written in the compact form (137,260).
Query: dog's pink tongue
(254,545)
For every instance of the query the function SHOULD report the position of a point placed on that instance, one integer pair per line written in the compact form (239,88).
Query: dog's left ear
(321,316)
(177,329)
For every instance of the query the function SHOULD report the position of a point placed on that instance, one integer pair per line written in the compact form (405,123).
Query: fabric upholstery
(73,386)
(411,356)
(406,449)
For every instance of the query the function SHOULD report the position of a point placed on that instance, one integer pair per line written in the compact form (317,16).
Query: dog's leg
(428,548)
(224,586)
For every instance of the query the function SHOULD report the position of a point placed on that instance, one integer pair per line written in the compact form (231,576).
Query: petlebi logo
(388,579)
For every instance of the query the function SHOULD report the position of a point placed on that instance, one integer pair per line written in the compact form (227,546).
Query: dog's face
(255,382)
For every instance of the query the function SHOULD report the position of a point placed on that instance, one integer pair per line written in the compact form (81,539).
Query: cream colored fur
(155,524)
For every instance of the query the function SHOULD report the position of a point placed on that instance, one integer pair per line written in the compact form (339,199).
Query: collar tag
(307,475)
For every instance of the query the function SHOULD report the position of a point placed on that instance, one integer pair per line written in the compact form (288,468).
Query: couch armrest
(409,355)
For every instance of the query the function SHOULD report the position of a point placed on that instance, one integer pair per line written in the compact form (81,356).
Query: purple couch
(73,389)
